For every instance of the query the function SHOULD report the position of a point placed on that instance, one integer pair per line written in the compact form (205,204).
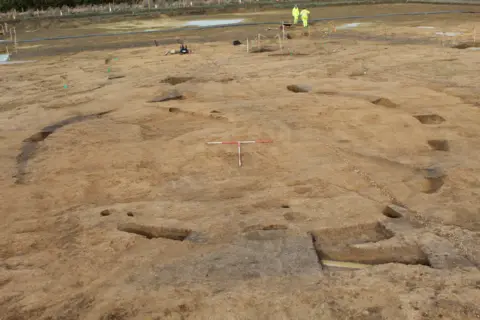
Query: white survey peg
(239,143)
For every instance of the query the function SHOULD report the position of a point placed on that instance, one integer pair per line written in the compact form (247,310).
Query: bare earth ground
(252,236)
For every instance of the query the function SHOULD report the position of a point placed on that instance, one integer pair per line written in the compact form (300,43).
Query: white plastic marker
(238,143)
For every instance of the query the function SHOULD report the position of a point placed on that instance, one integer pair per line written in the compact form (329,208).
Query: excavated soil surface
(131,215)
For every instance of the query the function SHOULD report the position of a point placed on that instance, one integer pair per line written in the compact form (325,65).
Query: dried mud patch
(274,253)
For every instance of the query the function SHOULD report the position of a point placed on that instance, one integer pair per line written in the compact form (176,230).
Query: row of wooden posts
(257,41)
(281,37)
(5,30)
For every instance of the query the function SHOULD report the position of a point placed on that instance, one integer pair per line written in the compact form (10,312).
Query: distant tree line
(20,5)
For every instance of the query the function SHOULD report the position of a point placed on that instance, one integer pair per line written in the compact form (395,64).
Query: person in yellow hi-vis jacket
(295,14)
(304,14)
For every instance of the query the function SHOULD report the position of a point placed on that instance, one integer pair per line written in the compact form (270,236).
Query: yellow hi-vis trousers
(305,21)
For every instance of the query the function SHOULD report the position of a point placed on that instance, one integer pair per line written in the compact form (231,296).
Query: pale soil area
(340,153)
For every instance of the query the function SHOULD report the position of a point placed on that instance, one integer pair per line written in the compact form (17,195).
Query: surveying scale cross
(238,143)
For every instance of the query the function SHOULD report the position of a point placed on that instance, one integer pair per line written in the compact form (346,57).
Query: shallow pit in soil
(176,80)
(349,245)
(286,54)
(434,179)
(152,232)
(299,88)
(171,95)
(393,211)
(265,227)
(387,103)
(439,144)
(467,45)
(429,118)
(262,49)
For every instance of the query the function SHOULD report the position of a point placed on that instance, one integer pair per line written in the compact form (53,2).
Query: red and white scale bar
(239,143)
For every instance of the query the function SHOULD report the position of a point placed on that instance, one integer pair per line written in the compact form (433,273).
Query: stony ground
(129,214)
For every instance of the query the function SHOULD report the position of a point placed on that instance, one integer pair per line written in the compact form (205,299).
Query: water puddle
(448,34)
(16,62)
(30,145)
(208,23)
(4,57)
(350,25)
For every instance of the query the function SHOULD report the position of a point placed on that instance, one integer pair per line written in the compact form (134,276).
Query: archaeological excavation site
(224,162)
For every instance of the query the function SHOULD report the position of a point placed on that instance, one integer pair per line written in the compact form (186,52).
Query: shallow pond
(208,23)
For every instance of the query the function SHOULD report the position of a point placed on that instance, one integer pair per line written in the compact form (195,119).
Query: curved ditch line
(116,34)
(30,145)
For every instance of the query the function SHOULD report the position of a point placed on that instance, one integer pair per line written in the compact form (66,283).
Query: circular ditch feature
(299,88)
(429,118)
(30,145)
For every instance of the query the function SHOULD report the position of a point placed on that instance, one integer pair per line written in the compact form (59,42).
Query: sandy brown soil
(94,212)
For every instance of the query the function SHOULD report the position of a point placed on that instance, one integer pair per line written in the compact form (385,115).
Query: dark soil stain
(30,145)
